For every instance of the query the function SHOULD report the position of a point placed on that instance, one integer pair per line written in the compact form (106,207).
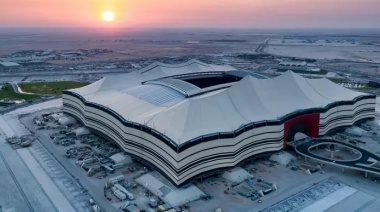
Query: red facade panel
(311,121)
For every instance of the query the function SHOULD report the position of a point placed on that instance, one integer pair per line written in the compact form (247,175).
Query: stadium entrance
(296,128)
(306,124)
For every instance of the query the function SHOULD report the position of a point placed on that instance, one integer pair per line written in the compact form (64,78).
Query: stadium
(193,118)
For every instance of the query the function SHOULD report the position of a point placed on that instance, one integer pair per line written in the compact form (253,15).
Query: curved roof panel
(156,94)
(154,71)
(178,85)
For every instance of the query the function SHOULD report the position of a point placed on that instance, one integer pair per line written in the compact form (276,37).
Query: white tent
(81,131)
(282,157)
(299,136)
(56,116)
(66,120)
(171,194)
(355,131)
(119,158)
(236,175)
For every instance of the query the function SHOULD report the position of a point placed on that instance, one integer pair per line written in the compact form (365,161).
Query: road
(362,164)
(25,198)
(261,47)
(20,190)
(64,75)
(17,89)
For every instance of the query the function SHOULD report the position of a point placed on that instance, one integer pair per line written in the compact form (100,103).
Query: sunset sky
(191,13)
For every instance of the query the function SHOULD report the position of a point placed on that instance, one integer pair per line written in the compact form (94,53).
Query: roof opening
(209,81)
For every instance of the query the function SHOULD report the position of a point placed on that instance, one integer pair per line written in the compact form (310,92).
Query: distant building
(47,52)
(9,64)
(286,65)
(72,54)
(192,118)
(303,68)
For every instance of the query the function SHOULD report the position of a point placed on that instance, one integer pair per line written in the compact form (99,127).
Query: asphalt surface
(96,192)
(260,48)
(25,198)
(359,164)
(20,190)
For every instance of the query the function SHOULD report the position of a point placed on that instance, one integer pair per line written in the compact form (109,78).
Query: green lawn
(367,89)
(338,80)
(7,92)
(53,88)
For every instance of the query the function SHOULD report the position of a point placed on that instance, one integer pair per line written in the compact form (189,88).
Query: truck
(109,169)
(91,201)
(153,203)
(120,195)
(116,179)
(164,207)
(118,165)
(125,191)
(86,161)
(26,143)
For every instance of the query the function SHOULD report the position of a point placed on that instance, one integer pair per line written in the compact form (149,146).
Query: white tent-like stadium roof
(225,110)
(154,71)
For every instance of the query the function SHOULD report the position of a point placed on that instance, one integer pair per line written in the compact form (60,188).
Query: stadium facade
(192,118)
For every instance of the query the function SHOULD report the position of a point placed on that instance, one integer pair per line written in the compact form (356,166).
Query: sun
(108,16)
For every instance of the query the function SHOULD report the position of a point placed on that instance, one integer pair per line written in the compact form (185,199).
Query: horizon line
(194,28)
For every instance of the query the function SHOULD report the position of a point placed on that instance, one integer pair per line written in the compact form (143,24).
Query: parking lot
(93,161)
